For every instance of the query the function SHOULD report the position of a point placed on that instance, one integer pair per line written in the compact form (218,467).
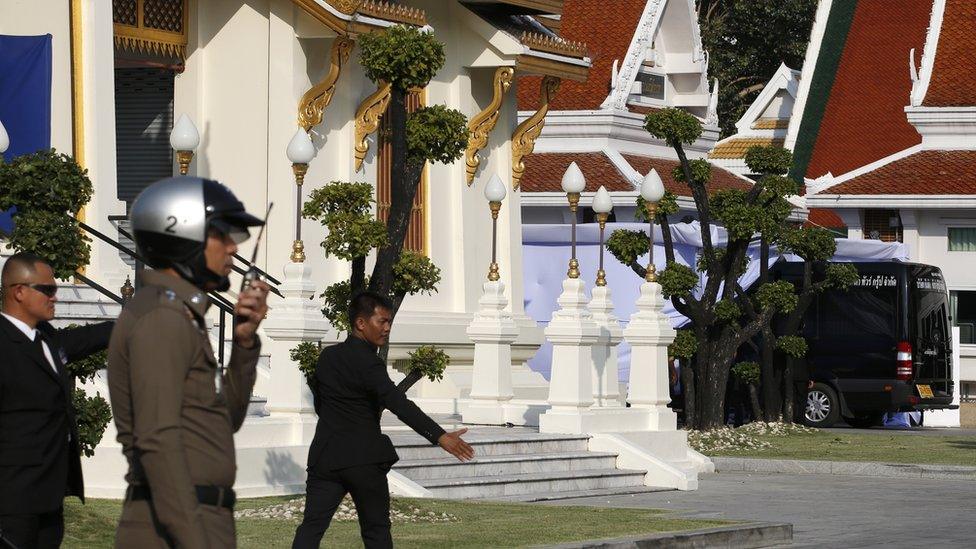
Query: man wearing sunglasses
(40,459)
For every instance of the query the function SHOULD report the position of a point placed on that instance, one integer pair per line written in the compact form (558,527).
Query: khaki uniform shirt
(175,429)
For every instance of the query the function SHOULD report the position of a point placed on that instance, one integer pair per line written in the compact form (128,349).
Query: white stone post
(649,333)
(290,322)
(493,332)
(606,387)
(572,333)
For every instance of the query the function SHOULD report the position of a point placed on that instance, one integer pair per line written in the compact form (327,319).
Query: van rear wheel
(823,406)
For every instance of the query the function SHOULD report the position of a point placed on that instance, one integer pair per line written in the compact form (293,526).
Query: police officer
(175,428)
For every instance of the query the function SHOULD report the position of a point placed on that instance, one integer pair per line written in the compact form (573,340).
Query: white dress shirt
(31,333)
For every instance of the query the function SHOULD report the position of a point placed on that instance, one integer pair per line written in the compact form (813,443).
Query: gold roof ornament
(151,26)
(482,123)
(523,140)
(368,119)
(317,98)
(554,45)
(394,12)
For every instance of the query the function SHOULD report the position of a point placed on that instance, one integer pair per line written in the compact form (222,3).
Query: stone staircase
(512,464)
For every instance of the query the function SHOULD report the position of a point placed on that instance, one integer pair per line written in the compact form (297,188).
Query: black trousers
(38,531)
(370,492)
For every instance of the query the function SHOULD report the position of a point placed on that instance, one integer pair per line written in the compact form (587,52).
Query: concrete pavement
(827,510)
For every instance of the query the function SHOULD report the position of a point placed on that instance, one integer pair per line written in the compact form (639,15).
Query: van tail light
(903,368)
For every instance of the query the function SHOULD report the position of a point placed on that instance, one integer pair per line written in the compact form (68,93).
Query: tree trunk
(413,376)
(754,400)
(404,179)
(771,380)
(789,400)
(357,279)
(688,391)
(714,362)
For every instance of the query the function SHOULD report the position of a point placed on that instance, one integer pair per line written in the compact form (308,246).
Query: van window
(872,312)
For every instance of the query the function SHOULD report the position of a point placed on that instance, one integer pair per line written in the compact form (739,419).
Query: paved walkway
(825,510)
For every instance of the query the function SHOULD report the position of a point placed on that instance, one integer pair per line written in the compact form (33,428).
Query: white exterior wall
(37,17)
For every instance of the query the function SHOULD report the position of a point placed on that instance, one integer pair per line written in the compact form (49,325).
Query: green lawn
(478,525)
(891,448)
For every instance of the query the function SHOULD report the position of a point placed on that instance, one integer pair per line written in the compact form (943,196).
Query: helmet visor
(235,224)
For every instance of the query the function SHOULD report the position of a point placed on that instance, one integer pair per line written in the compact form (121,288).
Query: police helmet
(170,220)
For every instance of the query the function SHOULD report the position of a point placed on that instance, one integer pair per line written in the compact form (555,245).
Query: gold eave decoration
(159,28)
(368,120)
(313,104)
(542,6)
(480,126)
(354,15)
(523,140)
(541,42)
(396,13)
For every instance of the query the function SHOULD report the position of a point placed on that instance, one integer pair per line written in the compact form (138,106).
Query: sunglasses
(49,290)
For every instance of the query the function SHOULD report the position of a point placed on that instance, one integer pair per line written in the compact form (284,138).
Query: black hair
(364,304)
(23,260)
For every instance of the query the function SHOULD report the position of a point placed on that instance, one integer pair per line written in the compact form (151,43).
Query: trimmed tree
(723,315)
(47,189)
(408,58)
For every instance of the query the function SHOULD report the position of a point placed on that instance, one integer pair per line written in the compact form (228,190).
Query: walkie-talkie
(252,271)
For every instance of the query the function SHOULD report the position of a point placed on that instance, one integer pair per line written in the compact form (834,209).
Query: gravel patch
(294,510)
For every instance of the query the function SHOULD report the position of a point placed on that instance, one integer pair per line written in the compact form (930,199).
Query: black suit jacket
(351,388)
(39,464)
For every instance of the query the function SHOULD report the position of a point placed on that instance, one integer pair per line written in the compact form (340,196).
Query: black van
(883,345)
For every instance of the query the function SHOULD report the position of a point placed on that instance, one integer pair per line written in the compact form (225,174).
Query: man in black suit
(40,461)
(349,453)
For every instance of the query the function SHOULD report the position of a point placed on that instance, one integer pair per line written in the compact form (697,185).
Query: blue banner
(25,97)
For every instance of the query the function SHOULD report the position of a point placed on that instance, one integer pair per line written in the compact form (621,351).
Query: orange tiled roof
(953,81)
(721,179)
(864,120)
(642,109)
(821,217)
(607,34)
(925,172)
(771,124)
(738,147)
(544,172)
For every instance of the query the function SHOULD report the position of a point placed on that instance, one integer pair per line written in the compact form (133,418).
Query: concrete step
(533,483)
(487,466)
(412,447)
(599,492)
(81,304)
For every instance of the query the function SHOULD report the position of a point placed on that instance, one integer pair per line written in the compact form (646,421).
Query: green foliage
(841,276)
(436,134)
(746,42)
(85,369)
(306,354)
(747,372)
(774,186)
(47,188)
(738,216)
(794,346)
(810,243)
(405,56)
(701,172)
(345,210)
(415,273)
(336,309)
(667,206)
(429,361)
(727,310)
(674,126)
(737,270)
(627,246)
(93,414)
(685,344)
(777,294)
(767,159)
(677,280)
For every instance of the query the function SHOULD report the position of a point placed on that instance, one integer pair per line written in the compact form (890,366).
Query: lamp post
(4,141)
(495,192)
(573,184)
(602,205)
(300,153)
(652,191)
(184,139)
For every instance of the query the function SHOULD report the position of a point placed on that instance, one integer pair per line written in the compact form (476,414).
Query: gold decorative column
(368,120)
(480,126)
(523,140)
(311,109)
(298,247)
